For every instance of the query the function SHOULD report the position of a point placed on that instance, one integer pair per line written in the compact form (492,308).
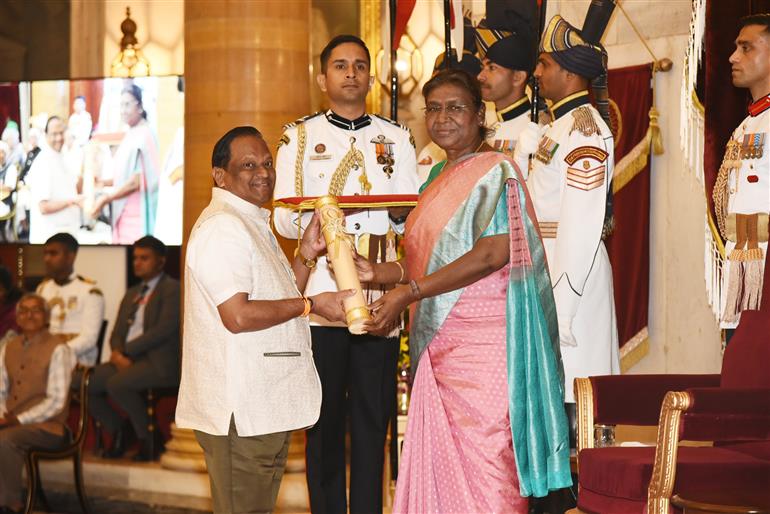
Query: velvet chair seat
(615,480)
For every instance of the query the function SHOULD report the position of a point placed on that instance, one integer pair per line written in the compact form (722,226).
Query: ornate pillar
(246,63)
(87,31)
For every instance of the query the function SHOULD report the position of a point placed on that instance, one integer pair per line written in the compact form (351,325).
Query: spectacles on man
(451,110)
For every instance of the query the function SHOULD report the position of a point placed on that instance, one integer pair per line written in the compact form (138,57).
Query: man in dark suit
(145,352)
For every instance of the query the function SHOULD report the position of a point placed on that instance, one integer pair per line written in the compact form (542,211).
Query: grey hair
(43,302)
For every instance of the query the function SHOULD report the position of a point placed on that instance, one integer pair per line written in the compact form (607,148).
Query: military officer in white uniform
(345,151)
(507,60)
(569,183)
(77,305)
(742,190)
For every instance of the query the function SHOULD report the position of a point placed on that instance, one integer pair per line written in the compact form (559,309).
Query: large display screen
(102,159)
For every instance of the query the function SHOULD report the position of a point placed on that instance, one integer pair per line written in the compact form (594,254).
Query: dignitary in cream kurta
(346,151)
(569,182)
(76,303)
(248,377)
(742,190)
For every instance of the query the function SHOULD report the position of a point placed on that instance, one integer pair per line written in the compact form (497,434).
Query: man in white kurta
(53,189)
(742,190)
(569,182)
(248,377)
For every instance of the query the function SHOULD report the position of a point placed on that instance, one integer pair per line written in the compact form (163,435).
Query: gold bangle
(397,263)
(308,306)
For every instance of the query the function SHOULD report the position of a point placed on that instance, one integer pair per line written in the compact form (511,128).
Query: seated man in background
(145,353)
(76,304)
(35,372)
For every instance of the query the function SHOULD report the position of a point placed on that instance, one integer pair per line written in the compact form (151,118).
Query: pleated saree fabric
(486,425)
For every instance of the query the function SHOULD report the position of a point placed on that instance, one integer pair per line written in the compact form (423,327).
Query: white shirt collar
(239,204)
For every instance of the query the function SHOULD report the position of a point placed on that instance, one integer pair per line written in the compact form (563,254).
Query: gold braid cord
(731,161)
(354,159)
(664,469)
(298,171)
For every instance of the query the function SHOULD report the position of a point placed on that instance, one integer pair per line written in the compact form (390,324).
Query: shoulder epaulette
(384,118)
(302,120)
(401,126)
(86,280)
(584,121)
(95,290)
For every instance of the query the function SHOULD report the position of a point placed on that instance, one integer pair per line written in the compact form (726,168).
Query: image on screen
(102,159)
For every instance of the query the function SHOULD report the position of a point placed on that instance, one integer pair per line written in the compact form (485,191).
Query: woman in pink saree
(486,426)
(136,166)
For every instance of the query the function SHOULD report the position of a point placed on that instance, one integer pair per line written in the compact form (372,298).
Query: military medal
(752,146)
(546,150)
(384,149)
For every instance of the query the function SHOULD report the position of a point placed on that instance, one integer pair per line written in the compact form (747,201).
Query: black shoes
(150,448)
(121,441)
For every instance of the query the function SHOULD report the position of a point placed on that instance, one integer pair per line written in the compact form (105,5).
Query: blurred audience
(9,296)
(35,371)
(145,353)
(77,305)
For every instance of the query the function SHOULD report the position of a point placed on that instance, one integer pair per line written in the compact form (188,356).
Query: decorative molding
(664,469)
(584,395)
(634,350)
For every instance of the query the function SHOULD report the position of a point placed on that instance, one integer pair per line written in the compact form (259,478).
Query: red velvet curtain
(725,105)
(9,104)
(629,245)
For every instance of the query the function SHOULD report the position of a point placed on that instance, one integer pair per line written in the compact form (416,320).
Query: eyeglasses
(29,310)
(451,110)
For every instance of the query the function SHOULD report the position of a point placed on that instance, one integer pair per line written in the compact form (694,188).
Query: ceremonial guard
(742,189)
(507,48)
(570,183)
(345,151)
(76,303)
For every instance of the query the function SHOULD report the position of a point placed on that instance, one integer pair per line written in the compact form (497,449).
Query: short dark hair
(136,92)
(462,79)
(54,117)
(82,97)
(220,157)
(152,243)
(65,239)
(756,19)
(337,41)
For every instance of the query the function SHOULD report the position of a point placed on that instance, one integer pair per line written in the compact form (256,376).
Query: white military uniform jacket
(748,185)
(77,311)
(569,181)
(309,153)
(510,122)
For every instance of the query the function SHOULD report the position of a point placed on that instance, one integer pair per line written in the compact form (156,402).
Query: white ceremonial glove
(565,332)
(529,139)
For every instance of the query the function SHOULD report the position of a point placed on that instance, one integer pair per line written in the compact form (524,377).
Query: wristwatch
(308,263)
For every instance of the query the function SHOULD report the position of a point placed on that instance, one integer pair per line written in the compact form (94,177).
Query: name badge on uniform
(546,150)
(385,155)
(752,146)
(319,154)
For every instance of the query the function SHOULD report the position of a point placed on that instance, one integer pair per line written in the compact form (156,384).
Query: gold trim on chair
(584,395)
(664,470)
